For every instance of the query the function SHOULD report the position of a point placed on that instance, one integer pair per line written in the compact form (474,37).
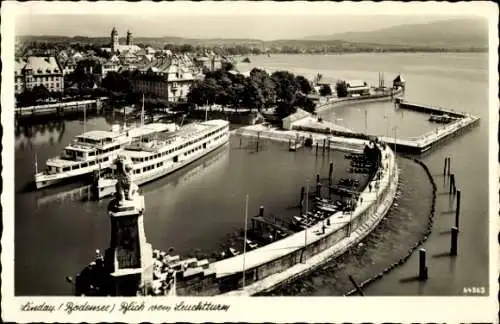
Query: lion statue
(125,188)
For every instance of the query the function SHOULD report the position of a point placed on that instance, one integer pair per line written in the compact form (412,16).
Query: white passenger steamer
(160,154)
(92,151)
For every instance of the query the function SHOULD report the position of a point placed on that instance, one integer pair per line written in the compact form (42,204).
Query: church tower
(114,40)
(129,38)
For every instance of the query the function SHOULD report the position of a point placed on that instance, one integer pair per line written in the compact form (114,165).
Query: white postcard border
(255,309)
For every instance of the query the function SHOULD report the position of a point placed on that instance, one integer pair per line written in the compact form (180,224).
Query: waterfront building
(38,70)
(398,82)
(357,87)
(289,121)
(164,78)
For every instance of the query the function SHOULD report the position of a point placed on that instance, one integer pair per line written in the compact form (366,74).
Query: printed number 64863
(474,290)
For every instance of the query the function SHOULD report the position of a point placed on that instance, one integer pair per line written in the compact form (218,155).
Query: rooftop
(39,65)
(97,135)
(355,83)
(299,114)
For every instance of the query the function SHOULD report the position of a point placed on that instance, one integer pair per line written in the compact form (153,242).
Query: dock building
(357,87)
(163,79)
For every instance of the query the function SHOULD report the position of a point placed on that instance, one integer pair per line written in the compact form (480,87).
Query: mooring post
(317,145)
(457,210)
(317,178)
(318,190)
(449,165)
(324,144)
(358,288)
(258,138)
(452,181)
(454,241)
(330,174)
(445,165)
(422,267)
(261,211)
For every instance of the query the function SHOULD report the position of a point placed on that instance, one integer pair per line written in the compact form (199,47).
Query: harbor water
(195,208)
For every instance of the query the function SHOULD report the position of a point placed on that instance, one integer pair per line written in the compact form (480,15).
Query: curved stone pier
(284,260)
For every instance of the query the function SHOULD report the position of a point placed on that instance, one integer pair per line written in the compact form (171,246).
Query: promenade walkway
(273,251)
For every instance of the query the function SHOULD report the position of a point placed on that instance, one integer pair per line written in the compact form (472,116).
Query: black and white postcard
(249,161)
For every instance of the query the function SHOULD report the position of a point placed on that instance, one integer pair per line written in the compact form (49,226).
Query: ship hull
(107,187)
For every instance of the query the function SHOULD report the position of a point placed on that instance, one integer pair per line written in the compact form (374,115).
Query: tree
(186,48)
(304,85)
(116,82)
(253,97)
(325,90)
(40,92)
(341,88)
(306,103)
(286,86)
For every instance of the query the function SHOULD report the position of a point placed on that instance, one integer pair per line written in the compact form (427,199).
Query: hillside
(454,33)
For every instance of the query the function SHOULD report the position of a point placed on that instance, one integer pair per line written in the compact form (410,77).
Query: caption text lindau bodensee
(123,307)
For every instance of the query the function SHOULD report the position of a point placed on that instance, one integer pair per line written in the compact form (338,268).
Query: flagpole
(206,111)
(85,118)
(245,242)
(142,112)
(36,164)
(307,216)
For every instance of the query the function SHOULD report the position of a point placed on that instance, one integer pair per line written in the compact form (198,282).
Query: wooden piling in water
(324,144)
(452,181)
(317,145)
(261,211)
(422,267)
(358,288)
(318,190)
(449,165)
(445,165)
(258,138)
(457,209)
(317,178)
(454,241)
(330,174)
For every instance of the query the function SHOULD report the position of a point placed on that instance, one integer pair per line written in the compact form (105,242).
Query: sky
(264,21)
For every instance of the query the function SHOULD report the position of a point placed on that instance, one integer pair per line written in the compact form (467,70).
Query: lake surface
(195,208)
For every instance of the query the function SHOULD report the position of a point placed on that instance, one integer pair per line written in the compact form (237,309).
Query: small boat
(252,245)
(328,209)
(298,219)
(442,119)
(322,200)
(233,251)
(295,146)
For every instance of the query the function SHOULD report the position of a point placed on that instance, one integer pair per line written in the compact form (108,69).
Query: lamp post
(395,144)
(306,207)
(245,241)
